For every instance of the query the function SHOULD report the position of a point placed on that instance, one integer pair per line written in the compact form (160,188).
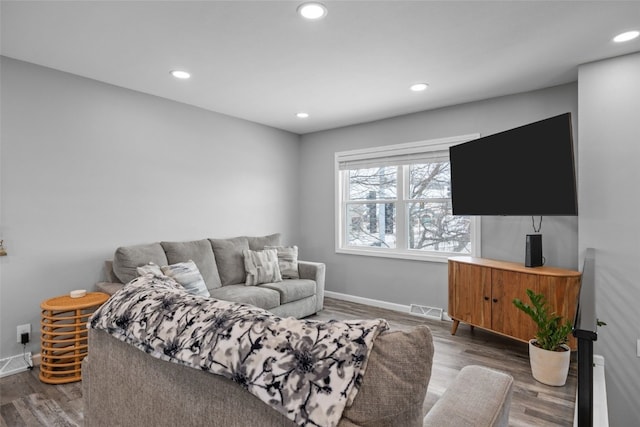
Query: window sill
(408,255)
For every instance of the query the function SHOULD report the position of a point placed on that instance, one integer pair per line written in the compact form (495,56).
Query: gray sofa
(123,386)
(221,264)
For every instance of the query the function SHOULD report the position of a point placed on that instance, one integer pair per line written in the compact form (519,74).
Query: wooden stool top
(66,302)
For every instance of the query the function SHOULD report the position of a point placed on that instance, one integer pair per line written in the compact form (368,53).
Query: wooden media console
(481,293)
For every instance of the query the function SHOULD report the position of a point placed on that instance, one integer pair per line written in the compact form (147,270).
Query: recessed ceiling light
(419,87)
(180,74)
(625,37)
(302,115)
(312,10)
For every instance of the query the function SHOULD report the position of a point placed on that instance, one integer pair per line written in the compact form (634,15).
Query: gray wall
(609,105)
(403,281)
(87,167)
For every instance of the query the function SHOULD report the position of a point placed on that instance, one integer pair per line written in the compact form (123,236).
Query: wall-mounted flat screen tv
(529,170)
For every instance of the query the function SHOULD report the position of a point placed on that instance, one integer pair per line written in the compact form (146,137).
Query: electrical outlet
(26,328)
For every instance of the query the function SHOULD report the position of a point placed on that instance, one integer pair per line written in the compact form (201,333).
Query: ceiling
(260,61)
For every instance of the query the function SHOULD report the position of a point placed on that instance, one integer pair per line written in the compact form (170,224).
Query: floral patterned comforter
(308,371)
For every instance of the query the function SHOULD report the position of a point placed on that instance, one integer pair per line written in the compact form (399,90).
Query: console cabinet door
(562,294)
(470,294)
(506,318)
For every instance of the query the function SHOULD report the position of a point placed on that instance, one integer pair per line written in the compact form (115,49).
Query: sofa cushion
(254,295)
(258,243)
(230,260)
(487,408)
(188,275)
(287,261)
(400,363)
(127,259)
(261,267)
(292,290)
(109,288)
(200,252)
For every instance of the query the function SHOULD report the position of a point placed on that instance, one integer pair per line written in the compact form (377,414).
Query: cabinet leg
(454,326)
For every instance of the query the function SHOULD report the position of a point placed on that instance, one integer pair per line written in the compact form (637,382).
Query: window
(395,201)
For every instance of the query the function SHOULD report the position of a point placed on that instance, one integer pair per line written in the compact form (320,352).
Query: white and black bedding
(309,371)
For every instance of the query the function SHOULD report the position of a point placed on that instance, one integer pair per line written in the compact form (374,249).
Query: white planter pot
(549,367)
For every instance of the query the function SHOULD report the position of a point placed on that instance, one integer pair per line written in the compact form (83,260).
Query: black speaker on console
(533,253)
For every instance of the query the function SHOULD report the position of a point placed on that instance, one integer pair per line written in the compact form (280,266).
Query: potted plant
(548,353)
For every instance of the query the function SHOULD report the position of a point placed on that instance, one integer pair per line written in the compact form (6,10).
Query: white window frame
(406,150)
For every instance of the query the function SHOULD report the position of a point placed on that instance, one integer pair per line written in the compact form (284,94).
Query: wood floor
(25,401)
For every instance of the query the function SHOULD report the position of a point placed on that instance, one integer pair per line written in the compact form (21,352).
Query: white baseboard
(377,303)
(600,408)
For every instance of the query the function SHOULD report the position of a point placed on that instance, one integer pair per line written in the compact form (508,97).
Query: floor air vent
(426,311)
(15,364)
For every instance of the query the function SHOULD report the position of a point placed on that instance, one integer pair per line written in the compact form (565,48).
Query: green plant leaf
(552,333)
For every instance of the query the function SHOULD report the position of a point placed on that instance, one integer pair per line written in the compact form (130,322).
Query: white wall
(87,167)
(402,281)
(609,106)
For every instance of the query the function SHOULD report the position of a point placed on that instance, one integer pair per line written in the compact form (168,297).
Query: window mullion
(344,199)
(401,211)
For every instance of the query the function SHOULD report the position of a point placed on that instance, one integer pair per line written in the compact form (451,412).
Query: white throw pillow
(261,267)
(287,261)
(188,275)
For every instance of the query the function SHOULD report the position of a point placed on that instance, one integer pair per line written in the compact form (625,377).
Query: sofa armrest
(314,271)
(478,397)
(108,287)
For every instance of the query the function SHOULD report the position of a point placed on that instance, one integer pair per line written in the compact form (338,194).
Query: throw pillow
(150,268)
(261,266)
(188,275)
(287,261)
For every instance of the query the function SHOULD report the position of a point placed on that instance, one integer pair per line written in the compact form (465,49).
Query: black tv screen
(528,170)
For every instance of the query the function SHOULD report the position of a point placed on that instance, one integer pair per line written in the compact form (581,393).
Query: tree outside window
(401,204)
